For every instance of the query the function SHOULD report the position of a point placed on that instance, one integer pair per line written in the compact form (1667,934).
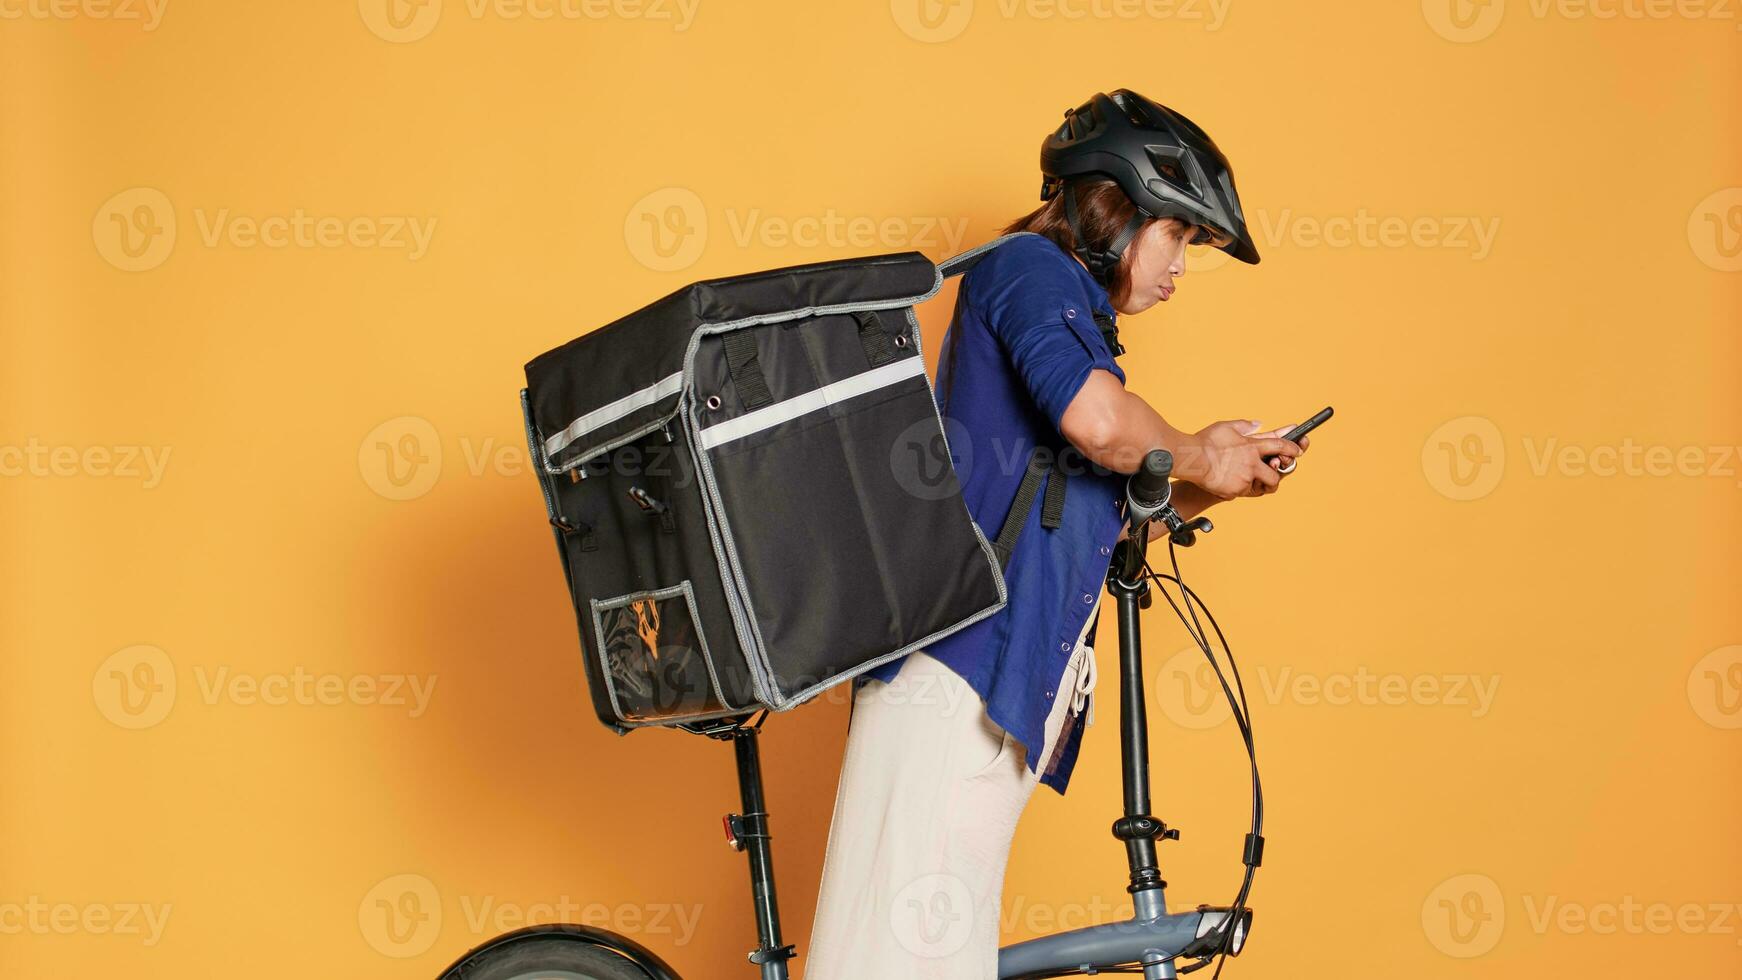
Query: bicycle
(1154,942)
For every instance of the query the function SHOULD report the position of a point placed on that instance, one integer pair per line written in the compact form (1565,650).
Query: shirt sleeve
(1047,329)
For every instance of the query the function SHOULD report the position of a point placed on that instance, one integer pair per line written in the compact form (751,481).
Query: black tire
(549,958)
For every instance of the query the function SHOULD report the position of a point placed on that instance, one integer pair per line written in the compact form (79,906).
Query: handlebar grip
(1148,486)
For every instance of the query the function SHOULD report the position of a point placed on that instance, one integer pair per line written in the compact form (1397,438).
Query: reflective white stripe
(810,401)
(608,413)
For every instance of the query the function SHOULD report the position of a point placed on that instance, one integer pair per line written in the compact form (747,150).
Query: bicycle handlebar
(1147,495)
(1149,487)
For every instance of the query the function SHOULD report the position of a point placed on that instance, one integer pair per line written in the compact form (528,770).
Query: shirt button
(1088,598)
(1070,314)
(1064,648)
(1106,550)
(1049,695)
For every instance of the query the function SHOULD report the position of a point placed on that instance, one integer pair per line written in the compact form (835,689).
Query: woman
(947,744)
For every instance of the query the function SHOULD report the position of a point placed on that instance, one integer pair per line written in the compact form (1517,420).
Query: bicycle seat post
(748,832)
(1137,828)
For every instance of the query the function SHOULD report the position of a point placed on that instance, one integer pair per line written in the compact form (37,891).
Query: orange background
(284,382)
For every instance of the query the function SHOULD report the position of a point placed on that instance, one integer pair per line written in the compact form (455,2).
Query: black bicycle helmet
(1163,162)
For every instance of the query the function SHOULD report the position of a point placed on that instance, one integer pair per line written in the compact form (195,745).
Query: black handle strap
(872,337)
(1043,465)
(746,370)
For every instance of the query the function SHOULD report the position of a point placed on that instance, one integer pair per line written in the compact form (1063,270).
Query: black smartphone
(1294,434)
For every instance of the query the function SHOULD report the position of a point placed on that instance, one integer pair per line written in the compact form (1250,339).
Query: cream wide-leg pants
(925,813)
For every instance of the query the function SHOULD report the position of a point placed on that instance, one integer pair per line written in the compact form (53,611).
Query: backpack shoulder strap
(961,262)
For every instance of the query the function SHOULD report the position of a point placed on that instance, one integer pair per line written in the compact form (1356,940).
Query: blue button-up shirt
(1020,348)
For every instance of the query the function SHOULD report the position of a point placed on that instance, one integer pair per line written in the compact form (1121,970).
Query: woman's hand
(1227,459)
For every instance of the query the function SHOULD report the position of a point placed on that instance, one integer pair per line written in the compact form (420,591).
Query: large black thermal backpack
(752,491)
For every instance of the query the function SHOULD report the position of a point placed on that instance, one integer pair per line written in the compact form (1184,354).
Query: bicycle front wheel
(552,955)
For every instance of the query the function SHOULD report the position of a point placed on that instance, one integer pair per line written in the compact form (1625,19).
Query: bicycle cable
(1252,855)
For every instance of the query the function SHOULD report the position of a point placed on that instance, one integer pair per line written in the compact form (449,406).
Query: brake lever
(1181,531)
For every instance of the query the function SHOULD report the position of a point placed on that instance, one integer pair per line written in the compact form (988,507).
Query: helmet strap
(1101,263)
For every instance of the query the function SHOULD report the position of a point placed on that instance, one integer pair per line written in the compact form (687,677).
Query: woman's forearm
(1116,429)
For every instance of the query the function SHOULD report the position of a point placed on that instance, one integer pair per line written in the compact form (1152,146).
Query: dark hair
(1103,210)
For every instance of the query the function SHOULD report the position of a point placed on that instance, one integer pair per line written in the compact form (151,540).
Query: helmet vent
(1167,165)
